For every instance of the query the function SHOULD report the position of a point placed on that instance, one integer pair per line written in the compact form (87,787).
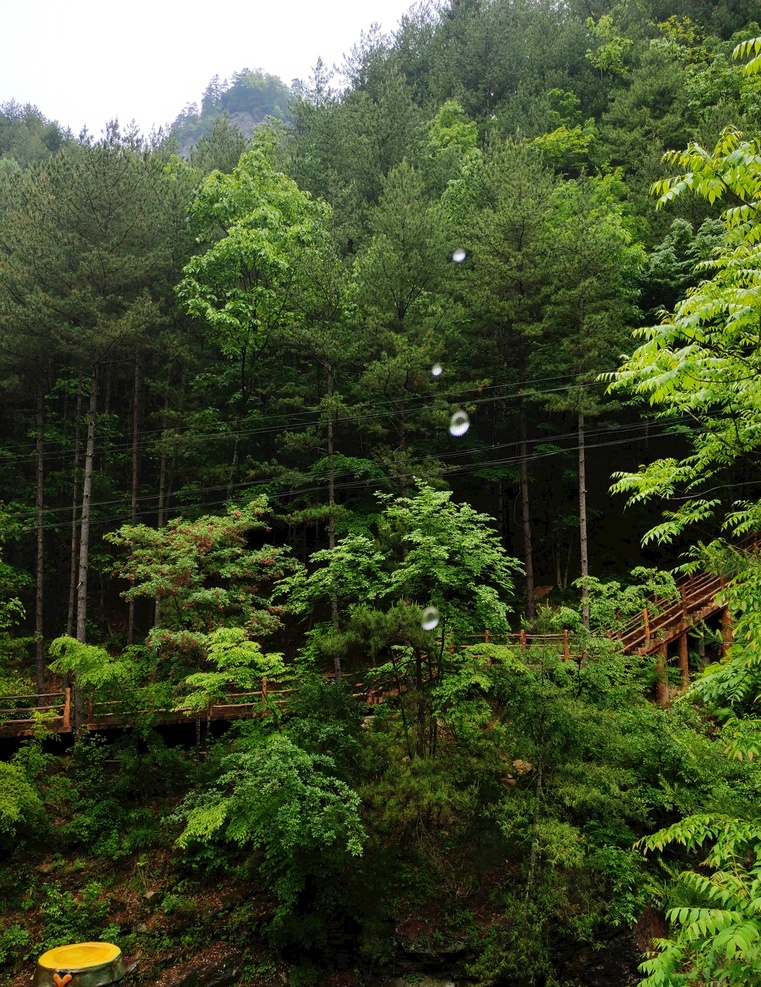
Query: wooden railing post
(522,638)
(646,621)
(264,693)
(684,660)
(487,636)
(566,645)
(67,709)
(661,676)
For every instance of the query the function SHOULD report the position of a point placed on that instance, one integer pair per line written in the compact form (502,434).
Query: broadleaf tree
(702,362)
(427,554)
(252,224)
(213,573)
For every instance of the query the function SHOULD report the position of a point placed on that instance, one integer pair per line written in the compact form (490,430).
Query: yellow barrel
(83,964)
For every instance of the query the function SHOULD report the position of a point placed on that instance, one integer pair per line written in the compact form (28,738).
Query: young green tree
(209,576)
(238,663)
(432,565)
(273,795)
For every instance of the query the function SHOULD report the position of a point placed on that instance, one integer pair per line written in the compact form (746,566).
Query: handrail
(644,634)
(19,721)
(698,599)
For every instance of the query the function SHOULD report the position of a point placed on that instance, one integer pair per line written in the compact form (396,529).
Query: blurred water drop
(459,423)
(459,255)
(429,619)
(437,369)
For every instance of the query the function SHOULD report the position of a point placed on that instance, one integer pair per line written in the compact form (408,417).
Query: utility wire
(278,424)
(447,457)
(316,487)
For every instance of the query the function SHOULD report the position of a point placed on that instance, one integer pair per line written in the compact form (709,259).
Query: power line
(286,422)
(342,485)
(643,426)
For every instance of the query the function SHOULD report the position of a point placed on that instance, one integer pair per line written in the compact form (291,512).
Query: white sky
(85,62)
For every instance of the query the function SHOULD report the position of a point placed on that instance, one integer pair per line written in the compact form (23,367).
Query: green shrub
(13,944)
(21,807)
(68,918)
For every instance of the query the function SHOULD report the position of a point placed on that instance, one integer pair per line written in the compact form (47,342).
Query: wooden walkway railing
(528,639)
(21,716)
(645,634)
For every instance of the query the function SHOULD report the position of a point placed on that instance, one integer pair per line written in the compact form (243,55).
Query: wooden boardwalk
(699,598)
(22,716)
(645,635)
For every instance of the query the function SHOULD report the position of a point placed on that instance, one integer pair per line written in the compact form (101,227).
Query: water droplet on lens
(437,369)
(429,619)
(459,255)
(459,423)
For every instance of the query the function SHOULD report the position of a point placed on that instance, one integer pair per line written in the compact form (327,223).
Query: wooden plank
(643,635)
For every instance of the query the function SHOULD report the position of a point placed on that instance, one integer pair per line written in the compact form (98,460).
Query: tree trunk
(74,504)
(84,541)
(332,505)
(165,481)
(421,705)
(106,409)
(136,389)
(502,513)
(534,853)
(241,414)
(404,478)
(528,551)
(39,592)
(84,521)
(583,534)
(684,660)
(662,696)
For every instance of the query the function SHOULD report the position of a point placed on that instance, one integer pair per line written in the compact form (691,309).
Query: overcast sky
(84,62)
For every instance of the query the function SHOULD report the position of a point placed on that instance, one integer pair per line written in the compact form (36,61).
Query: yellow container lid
(82,964)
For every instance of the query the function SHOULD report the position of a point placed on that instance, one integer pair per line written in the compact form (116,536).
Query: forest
(373,412)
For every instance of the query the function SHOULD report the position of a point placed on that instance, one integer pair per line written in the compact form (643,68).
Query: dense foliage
(329,407)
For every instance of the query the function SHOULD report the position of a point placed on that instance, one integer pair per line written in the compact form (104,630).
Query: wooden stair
(699,598)
(645,634)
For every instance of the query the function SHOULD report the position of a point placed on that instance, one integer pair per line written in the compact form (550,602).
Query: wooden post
(487,636)
(264,693)
(566,645)
(67,709)
(684,660)
(661,677)
(89,710)
(522,638)
(646,620)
